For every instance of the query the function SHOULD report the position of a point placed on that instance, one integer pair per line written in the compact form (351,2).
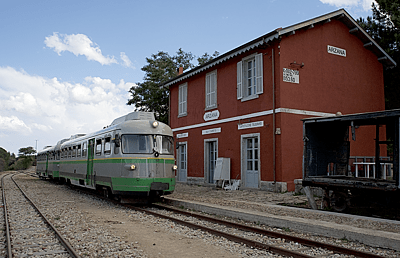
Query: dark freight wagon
(354,170)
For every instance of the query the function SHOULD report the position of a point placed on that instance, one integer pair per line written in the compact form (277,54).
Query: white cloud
(78,44)
(38,108)
(126,61)
(365,4)
(13,124)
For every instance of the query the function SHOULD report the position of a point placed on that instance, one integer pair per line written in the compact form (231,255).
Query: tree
(149,95)
(6,159)
(25,157)
(206,58)
(384,28)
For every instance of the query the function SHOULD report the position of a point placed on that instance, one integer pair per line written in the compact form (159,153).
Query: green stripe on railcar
(140,184)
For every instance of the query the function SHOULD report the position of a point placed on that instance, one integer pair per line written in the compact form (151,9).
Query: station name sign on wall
(292,76)
(211,115)
(336,51)
(182,135)
(250,125)
(211,131)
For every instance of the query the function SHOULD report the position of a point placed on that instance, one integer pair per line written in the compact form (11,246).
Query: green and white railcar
(134,156)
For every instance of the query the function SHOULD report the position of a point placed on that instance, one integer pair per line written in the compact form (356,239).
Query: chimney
(180,70)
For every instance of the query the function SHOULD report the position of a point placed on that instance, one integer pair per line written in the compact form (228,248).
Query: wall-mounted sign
(210,131)
(211,115)
(182,135)
(336,51)
(292,76)
(251,125)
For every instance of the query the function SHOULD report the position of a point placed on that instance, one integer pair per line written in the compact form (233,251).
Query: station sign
(212,115)
(211,131)
(292,76)
(182,135)
(250,125)
(336,51)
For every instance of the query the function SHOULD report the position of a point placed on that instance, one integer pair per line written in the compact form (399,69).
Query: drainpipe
(273,120)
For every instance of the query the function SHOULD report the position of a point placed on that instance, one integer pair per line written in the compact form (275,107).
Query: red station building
(247,104)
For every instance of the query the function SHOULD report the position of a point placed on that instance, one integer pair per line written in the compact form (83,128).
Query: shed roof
(340,15)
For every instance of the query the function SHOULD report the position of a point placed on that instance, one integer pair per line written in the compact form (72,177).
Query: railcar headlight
(155,124)
(133,167)
(175,167)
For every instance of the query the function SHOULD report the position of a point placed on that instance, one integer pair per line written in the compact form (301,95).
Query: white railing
(368,164)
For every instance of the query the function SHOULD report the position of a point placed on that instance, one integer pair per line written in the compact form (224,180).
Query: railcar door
(47,165)
(89,174)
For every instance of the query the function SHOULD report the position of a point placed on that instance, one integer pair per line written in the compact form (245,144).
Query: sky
(66,67)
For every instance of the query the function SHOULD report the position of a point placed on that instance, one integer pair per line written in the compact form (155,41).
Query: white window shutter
(213,89)
(259,73)
(208,89)
(180,100)
(239,80)
(185,99)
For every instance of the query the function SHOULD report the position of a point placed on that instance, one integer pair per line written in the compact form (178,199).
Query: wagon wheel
(339,201)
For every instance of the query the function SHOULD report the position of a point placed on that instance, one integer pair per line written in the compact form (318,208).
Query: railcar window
(74,151)
(78,154)
(116,144)
(107,145)
(98,147)
(84,149)
(132,143)
(69,152)
(58,155)
(167,145)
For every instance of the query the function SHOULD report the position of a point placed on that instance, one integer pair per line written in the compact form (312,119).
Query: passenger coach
(132,157)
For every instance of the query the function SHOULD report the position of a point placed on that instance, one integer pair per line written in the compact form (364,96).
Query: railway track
(277,243)
(257,238)
(28,232)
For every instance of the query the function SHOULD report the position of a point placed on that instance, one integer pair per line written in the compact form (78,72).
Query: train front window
(137,143)
(167,145)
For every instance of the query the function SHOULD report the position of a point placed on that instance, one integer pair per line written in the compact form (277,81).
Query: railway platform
(264,208)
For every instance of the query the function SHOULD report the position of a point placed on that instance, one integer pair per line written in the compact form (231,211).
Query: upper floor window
(211,90)
(182,111)
(250,77)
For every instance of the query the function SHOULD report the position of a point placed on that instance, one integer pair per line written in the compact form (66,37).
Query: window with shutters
(182,100)
(250,77)
(211,90)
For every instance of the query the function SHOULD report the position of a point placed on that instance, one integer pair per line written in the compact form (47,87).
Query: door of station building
(211,159)
(252,162)
(182,162)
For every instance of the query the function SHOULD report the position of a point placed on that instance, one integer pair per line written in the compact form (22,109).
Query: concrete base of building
(270,186)
(316,191)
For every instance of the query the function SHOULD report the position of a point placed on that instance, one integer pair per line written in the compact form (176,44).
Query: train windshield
(141,143)
(167,145)
(137,143)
